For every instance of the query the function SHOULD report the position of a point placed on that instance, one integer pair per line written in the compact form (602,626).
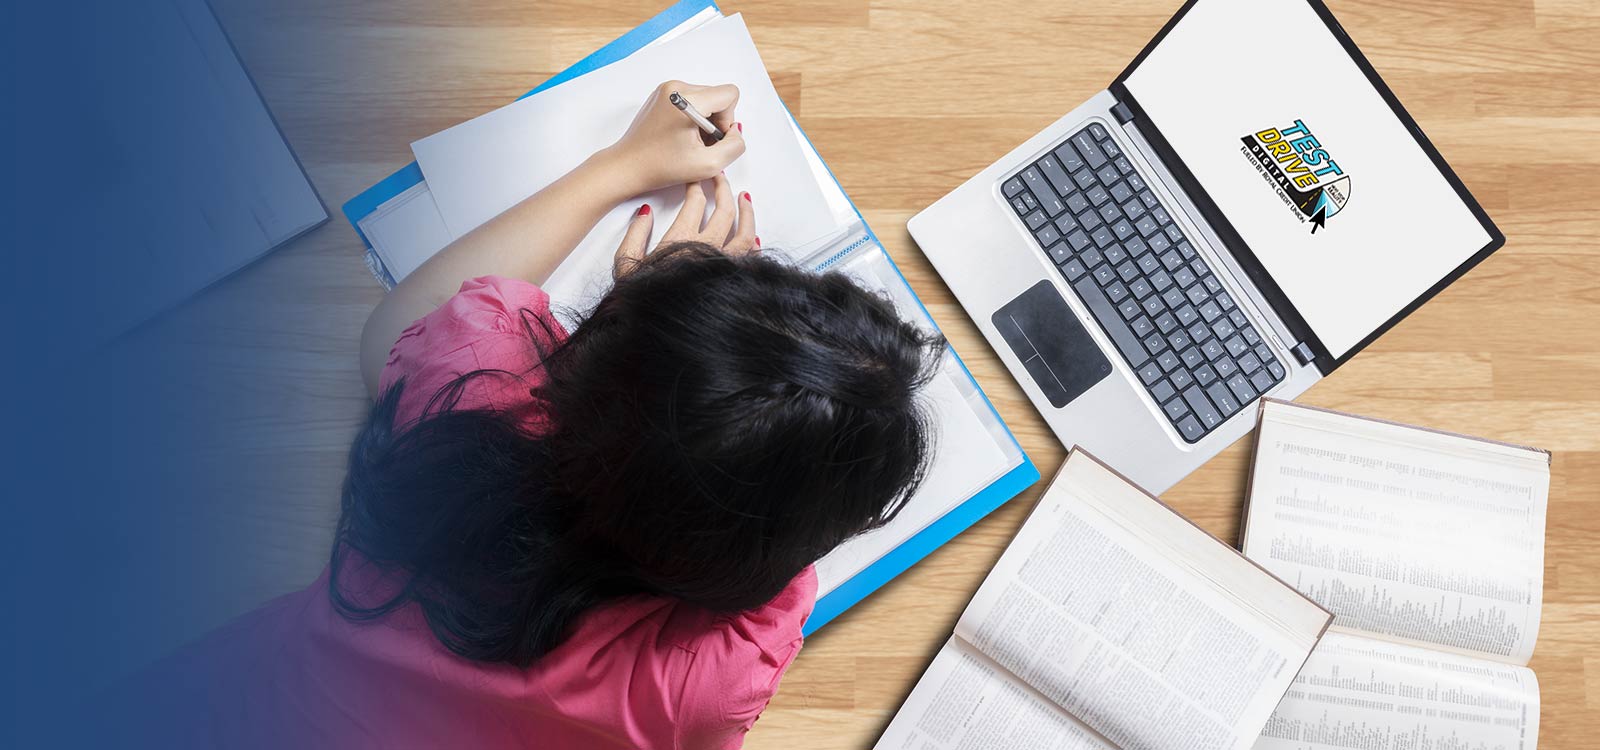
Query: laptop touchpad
(1045,334)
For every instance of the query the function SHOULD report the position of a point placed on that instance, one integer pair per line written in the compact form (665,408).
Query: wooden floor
(905,99)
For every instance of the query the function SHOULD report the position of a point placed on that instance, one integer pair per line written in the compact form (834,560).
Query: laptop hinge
(1123,114)
(1302,352)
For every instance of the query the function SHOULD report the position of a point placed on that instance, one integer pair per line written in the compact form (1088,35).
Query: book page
(1409,534)
(1364,692)
(1136,622)
(964,701)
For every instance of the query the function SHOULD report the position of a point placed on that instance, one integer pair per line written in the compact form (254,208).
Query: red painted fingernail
(758,242)
(644,210)
(746,196)
(740,126)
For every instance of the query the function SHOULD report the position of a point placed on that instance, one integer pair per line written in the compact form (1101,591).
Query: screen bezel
(1324,361)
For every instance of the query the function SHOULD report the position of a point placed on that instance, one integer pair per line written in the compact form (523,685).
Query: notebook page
(478,169)
(964,700)
(1137,645)
(1364,692)
(1409,534)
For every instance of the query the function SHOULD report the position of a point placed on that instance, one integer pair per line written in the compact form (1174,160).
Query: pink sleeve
(492,323)
(737,669)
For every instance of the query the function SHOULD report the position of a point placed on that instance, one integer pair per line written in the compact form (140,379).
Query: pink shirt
(642,672)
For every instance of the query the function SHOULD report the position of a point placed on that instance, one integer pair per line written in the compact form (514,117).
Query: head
(717,423)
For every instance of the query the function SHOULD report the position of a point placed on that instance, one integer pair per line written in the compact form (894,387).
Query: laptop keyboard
(1120,251)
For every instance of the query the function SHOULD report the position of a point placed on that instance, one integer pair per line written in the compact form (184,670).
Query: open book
(1111,622)
(1429,550)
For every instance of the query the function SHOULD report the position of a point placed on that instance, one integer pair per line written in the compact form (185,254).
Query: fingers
(717,102)
(720,225)
(634,242)
(724,152)
(744,239)
(687,225)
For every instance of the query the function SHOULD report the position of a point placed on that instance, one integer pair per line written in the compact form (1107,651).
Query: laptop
(1240,213)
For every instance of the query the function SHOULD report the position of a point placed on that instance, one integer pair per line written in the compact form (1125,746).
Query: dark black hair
(715,424)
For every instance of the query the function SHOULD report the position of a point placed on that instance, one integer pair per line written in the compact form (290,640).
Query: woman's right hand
(664,147)
(734,236)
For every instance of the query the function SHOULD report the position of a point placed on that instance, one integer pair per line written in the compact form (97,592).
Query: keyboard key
(1103,238)
(1058,252)
(1192,357)
(1141,326)
(1136,246)
(1136,182)
(1129,308)
(1091,256)
(1261,381)
(1238,318)
(1065,223)
(1160,243)
(1249,363)
(1084,178)
(1097,196)
(1089,220)
(1213,283)
(1224,400)
(1204,375)
(1128,271)
(1197,294)
(1078,240)
(1047,235)
(1121,192)
(1174,233)
(1035,181)
(1123,165)
(1184,277)
(1149,263)
(1187,314)
(1190,428)
(1181,379)
(1174,298)
(1163,391)
(1199,331)
(1116,290)
(1276,370)
(1210,311)
(1175,408)
(1057,176)
(1076,203)
(1224,300)
(1250,336)
(1147,226)
(1154,343)
(1168,360)
(1263,352)
(1035,220)
(1073,269)
(1106,315)
(1184,247)
(1111,148)
(1108,174)
(1110,212)
(1069,157)
(1098,131)
(1149,199)
(1154,306)
(1133,209)
(1213,349)
(1240,385)
(1140,288)
(1160,280)
(1053,206)
(1104,274)
(1150,373)
(1222,329)
(1166,323)
(1011,187)
(1236,345)
(1029,201)
(1019,205)
(1196,398)
(1160,214)
(1116,255)
(1225,367)
(1092,155)
(1178,340)
(1123,229)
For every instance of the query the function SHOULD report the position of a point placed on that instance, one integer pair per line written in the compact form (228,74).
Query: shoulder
(491,323)
(739,660)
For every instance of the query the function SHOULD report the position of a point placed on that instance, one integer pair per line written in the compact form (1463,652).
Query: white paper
(480,168)
(406,230)
(1434,539)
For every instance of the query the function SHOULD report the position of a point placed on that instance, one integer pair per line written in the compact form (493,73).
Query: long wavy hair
(715,425)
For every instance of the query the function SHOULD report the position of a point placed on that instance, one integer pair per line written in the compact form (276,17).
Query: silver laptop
(1244,210)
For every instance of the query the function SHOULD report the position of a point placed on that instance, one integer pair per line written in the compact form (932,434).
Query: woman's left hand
(734,236)
(663,147)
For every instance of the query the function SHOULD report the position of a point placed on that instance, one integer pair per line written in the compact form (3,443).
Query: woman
(594,538)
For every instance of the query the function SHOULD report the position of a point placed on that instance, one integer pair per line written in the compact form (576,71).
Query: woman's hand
(722,230)
(664,147)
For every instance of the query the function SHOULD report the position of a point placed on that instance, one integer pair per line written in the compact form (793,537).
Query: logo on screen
(1301,171)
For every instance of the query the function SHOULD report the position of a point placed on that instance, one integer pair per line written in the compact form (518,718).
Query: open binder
(402,206)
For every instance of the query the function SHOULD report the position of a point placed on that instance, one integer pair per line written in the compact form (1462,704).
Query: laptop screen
(1307,161)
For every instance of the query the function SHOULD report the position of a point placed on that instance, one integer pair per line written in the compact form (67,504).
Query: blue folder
(885,568)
